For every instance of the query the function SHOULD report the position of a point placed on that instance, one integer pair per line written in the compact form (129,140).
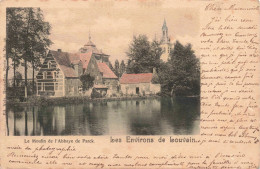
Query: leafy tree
(122,68)
(31,35)
(143,55)
(138,54)
(13,38)
(36,33)
(87,81)
(185,71)
(117,68)
(17,79)
(111,66)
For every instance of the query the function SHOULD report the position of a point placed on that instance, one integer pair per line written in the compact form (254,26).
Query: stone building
(98,54)
(139,84)
(60,72)
(59,75)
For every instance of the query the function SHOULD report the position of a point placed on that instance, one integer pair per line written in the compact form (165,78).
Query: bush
(95,94)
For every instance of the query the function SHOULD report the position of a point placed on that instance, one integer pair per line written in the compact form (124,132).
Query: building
(59,75)
(60,72)
(98,54)
(139,84)
(165,42)
(109,79)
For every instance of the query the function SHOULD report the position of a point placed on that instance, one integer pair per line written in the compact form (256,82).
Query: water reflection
(161,116)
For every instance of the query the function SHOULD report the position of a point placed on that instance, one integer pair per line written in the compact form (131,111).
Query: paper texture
(225,38)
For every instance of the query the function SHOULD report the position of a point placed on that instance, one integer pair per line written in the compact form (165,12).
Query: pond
(152,116)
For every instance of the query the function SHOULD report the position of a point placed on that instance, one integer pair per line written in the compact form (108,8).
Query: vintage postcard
(130,84)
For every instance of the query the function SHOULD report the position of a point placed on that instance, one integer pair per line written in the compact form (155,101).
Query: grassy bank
(37,100)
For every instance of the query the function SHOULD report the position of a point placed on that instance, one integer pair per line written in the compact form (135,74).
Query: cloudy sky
(112,28)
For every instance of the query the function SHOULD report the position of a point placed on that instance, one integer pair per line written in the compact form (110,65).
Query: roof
(85,58)
(64,62)
(107,72)
(91,47)
(136,78)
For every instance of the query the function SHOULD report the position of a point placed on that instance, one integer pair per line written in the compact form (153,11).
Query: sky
(112,29)
(112,26)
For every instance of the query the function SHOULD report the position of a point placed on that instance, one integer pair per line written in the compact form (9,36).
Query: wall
(72,86)
(93,70)
(130,89)
(52,83)
(112,85)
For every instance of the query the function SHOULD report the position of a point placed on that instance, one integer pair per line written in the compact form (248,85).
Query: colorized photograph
(102,71)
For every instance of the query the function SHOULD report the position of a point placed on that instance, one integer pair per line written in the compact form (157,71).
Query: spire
(164,27)
(89,37)
(165,38)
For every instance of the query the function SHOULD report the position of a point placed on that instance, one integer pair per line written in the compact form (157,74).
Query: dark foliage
(87,81)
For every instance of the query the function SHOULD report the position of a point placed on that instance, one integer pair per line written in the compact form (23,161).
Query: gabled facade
(59,76)
(109,79)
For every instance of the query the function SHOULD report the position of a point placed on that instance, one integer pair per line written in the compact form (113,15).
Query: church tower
(165,42)
(165,38)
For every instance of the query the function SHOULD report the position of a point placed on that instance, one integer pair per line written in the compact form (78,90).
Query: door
(137,90)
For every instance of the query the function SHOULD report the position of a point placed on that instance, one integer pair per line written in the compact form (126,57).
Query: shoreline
(41,101)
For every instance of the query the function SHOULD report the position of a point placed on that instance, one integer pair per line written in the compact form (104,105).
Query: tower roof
(164,24)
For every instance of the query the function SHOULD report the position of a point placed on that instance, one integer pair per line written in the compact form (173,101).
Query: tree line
(27,40)
(179,76)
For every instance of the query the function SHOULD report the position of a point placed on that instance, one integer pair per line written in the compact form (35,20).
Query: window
(44,75)
(54,75)
(56,86)
(49,64)
(39,86)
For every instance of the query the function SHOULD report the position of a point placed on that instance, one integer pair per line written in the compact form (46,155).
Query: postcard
(129,84)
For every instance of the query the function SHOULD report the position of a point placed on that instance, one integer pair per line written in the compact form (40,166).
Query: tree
(35,37)
(13,38)
(111,66)
(17,79)
(31,34)
(122,68)
(185,71)
(87,81)
(143,55)
(116,68)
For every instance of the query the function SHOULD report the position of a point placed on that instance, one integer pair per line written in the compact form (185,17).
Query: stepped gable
(64,62)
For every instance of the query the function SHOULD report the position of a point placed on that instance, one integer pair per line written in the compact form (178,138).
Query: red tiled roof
(66,60)
(85,58)
(107,72)
(74,58)
(136,78)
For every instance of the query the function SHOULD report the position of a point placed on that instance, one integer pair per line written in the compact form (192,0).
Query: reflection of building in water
(58,119)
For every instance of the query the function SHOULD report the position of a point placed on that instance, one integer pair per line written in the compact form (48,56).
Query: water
(157,116)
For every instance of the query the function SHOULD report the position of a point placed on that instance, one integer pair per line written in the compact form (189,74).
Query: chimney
(59,50)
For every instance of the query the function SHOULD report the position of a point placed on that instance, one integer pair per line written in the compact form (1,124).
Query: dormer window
(49,64)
